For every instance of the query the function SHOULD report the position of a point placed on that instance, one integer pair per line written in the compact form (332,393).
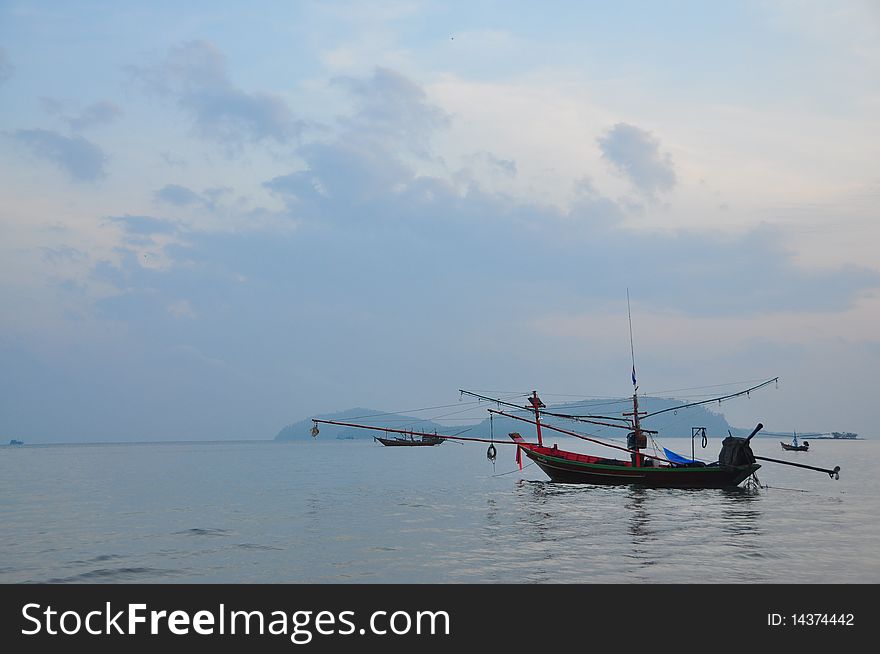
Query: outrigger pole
(406,432)
(834,474)
(831,473)
(410,432)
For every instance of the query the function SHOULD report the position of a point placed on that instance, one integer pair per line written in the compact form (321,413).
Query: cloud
(381,247)
(392,107)
(179,196)
(636,154)
(506,167)
(81,159)
(99,113)
(53,106)
(182,309)
(61,254)
(392,119)
(183,196)
(342,173)
(354,182)
(364,186)
(94,115)
(196,75)
(144,225)
(172,160)
(6,67)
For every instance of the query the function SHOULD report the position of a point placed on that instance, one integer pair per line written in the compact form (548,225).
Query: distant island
(818,436)
(672,424)
(840,435)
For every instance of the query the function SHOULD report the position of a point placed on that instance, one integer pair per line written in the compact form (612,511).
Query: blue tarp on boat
(676,458)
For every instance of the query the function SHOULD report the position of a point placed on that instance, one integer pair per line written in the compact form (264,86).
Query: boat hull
(399,442)
(560,468)
(794,448)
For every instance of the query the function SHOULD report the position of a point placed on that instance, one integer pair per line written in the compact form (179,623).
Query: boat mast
(536,404)
(637,439)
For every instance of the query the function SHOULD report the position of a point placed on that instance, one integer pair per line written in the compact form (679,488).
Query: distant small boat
(410,440)
(15,442)
(794,446)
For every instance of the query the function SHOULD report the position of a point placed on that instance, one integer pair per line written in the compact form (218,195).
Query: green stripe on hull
(566,470)
(582,464)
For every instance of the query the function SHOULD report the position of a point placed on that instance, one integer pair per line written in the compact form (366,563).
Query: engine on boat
(736,452)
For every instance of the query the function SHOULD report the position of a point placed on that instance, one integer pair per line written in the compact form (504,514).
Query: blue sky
(219,219)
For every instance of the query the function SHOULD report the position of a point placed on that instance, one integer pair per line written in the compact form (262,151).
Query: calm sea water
(353,511)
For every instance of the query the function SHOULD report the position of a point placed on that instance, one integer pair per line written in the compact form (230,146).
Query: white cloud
(6,67)
(195,73)
(182,309)
(636,154)
(83,160)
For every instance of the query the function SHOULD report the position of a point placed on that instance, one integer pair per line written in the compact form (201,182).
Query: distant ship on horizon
(836,435)
(828,435)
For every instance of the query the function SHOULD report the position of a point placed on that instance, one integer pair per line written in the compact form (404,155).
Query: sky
(217,218)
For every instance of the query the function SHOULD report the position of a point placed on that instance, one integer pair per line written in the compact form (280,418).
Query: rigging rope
(509,472)
(717,399)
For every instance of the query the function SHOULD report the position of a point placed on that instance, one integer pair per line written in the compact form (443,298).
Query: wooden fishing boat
(574,468)
(736,461)
(735,464)
(410,440)
(794,446)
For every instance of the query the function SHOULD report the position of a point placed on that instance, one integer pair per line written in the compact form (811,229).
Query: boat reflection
(639,523)
(633,532)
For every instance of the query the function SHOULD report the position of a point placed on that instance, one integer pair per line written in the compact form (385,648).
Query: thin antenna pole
(631,347)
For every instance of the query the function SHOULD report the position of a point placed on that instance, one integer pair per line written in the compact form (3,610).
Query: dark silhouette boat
(404,437)
(735,464)
(794,446)
(15,442)
(410,440)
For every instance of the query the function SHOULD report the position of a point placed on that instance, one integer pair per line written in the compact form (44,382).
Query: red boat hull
(573,468)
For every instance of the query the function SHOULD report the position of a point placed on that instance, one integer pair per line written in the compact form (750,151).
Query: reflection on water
(741,520)
(349,512)
(741,510)
(639,522)
(537,525)
(632,529)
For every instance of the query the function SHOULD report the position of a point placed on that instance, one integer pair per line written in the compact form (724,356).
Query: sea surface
(329,511)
